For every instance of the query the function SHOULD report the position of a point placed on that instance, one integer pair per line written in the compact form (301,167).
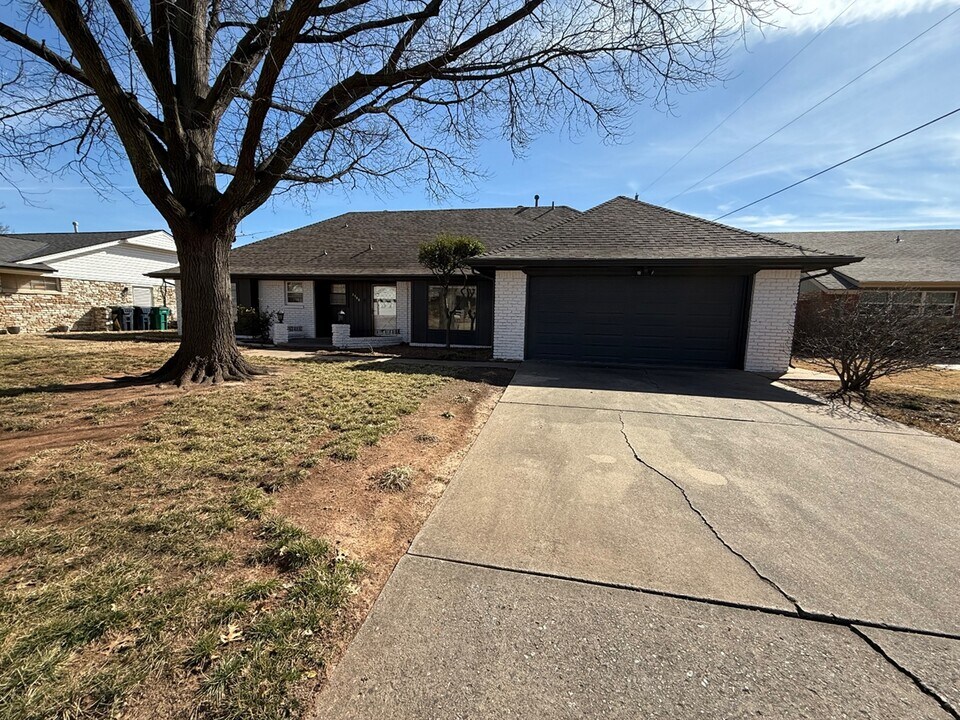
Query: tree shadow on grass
(59,388)
(150,336)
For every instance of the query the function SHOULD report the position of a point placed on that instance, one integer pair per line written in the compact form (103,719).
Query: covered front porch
(368,312)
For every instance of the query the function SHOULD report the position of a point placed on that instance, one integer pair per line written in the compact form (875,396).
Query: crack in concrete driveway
(614,546)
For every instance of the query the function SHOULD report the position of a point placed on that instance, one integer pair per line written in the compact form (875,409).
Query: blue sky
(913,183)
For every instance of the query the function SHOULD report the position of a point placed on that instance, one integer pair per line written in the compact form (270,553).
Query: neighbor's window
(932,302)
(294,292)
(463,301)
(940,302)
(28,284)
(338,294)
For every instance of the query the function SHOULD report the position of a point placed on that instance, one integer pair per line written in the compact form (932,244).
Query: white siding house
(57,281)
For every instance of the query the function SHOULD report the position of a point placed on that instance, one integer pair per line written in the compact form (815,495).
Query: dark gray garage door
(676,320)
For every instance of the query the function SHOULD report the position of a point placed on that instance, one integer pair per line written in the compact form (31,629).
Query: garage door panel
(685,320)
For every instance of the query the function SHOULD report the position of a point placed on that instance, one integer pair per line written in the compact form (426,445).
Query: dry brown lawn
(205,553)
(927,399)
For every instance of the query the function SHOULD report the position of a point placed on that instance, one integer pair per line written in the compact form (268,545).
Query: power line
(842,162)
(752,95)
(814,107)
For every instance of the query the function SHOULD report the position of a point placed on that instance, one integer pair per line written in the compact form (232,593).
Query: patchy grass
(926,399)
(148,574)
(35,370)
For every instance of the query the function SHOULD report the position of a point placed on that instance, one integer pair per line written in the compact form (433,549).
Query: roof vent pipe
(636,196)
(76,226)
(553,204)
(898,238)
(536,201)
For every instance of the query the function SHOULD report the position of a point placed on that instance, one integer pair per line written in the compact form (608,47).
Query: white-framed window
(142,295)
(385,310)
(942,303)
(294,290)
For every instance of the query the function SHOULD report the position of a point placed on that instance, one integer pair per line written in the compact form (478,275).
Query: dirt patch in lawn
(208,554)
(342,500)
(925,399)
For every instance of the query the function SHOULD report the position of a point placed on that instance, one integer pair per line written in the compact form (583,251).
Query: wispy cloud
(812,15)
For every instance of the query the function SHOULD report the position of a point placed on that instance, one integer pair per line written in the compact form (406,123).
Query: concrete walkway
(673,544)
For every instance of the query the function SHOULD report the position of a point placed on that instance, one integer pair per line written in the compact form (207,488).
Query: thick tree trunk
(208,351)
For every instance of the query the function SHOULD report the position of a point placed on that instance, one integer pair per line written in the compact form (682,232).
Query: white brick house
(56,281)
(623,283)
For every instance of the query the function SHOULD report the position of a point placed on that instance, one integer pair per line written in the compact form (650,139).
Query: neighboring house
(52,281)
(924,262)
(624,282)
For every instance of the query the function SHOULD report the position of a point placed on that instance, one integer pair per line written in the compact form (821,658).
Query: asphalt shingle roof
(625,229)
(386,242)
(15,247)
(920,256)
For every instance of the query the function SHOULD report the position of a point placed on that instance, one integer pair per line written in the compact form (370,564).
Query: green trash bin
(159,317)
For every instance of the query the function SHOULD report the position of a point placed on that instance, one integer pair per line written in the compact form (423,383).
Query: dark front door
(325,314)
(664,320)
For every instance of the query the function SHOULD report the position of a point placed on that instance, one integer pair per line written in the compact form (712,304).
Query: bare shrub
(870,335)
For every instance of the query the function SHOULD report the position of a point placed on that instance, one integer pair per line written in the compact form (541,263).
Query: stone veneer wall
(171,303)
(81,305)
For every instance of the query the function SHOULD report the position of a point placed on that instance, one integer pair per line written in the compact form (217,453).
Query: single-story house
(926,263)
(624,282)
(51,281)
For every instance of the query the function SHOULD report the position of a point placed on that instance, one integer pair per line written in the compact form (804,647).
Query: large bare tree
(219,104)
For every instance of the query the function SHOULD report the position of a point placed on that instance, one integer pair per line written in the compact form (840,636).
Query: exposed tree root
(183,369)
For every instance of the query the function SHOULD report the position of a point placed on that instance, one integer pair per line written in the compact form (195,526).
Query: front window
(294,292)
(385,310)
(461,300)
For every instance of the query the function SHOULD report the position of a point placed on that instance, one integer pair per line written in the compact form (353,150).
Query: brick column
(280,333)
(509,314)
(773,309)
(340,335)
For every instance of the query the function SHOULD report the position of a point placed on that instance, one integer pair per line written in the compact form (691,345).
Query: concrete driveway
(666,544)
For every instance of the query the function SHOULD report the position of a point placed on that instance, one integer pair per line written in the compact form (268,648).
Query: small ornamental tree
(446,257)
(873,335)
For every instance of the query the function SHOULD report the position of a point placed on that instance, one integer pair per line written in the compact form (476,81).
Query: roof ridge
(513,209)
(466,209)
(759,236)
(83,232)
(580,214)
(865,232)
